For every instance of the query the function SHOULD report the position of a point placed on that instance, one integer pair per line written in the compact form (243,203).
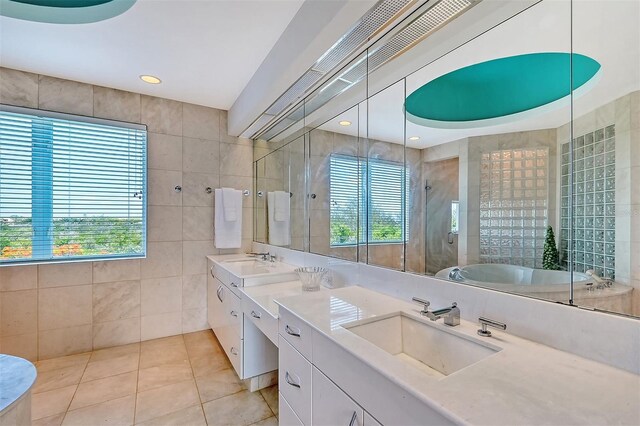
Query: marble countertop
(17,375)
(265,295)
(524,383)
(231,263)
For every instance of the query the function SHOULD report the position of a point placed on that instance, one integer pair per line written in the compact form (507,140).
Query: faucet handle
(426,303)
(484,322)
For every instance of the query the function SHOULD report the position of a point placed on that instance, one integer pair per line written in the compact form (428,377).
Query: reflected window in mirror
(383,185)
(455,217)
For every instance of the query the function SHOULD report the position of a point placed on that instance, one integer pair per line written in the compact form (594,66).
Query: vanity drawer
(331,406)
(296,332)
(294,378)
(232,345)
(218,272)
(261,318)
(233,306)
(286,415)
(235,283)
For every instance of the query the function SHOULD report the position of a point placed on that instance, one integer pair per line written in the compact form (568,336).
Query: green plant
(550,253)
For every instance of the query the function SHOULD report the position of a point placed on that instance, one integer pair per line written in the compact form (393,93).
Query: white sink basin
(431,348)
(249,267)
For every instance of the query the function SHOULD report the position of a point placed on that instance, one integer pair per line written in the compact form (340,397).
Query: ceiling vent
(410,33)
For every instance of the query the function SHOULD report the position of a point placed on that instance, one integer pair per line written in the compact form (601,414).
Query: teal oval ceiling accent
(64,11)
(489,91)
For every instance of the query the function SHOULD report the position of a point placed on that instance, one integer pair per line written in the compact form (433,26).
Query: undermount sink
(246,267)
(431,348)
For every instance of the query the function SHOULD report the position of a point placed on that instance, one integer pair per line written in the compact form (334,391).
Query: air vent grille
(307,80)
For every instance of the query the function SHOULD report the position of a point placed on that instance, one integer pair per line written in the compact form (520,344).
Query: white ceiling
(205,51)
(606,30)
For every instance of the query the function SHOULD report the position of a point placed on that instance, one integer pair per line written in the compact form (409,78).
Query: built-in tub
(542,283)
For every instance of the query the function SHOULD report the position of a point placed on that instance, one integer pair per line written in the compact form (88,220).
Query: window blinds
(70,187)
(372,188)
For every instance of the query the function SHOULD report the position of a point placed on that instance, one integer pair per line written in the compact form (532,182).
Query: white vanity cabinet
(250,352)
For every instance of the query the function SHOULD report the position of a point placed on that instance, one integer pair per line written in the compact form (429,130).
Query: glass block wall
(514,192)
(595,196)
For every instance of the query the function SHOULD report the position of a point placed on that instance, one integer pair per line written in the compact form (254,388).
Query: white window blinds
(373,188)
(70,187)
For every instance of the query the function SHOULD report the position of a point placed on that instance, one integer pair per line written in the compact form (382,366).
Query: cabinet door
(286,415)
(216,315)
(331,406)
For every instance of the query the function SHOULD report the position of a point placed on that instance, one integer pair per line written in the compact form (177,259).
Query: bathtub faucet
(601,282)
(455,274)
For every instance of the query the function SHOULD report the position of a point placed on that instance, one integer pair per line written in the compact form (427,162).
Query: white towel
(282,210)
(229,204)
(279,231)
(228,234)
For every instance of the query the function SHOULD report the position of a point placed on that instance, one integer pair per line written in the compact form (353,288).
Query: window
(385,183)
(70,187)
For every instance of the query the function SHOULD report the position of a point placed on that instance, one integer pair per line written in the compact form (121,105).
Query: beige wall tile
(241,183)
(161,325)
(167,399)
(161,115)
(194,291)
(114,333)
(236,160)
(194,187)
(197,223)
(64,341)
(115,104)
(162,185)
(194,320)
(200,155)
(164,151)
(200,122)
(63,307)
(116,301)
(194,254)
(19,312)
(18,88)
(64,274)
(18,278)
(161,295)
(24,346)
(163,260)
(164,223)
(116,270)
(67,96)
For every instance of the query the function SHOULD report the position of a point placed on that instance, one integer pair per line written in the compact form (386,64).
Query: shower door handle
(450,237)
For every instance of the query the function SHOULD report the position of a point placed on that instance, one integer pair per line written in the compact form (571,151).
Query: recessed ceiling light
(414,138)
(345,123)
(150,79)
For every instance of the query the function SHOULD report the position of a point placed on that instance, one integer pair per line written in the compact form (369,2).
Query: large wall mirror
(508,161)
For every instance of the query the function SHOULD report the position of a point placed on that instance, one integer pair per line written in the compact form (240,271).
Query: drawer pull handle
(233,351)
(290,380)
(353,419)
(211,270)
(234,285)
(256,314)
(291,332)
(218,292)
(233,314)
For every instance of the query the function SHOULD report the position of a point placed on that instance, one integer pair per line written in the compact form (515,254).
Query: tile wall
(52,310)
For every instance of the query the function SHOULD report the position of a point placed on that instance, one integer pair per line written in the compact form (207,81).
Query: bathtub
(543,284)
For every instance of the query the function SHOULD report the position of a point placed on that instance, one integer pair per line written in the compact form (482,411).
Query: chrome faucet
(450,314)
(265,256)
(601,282)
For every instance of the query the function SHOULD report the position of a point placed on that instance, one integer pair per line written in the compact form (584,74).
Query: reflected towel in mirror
(279,231)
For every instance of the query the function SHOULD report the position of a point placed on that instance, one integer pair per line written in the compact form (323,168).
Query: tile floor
(179,380)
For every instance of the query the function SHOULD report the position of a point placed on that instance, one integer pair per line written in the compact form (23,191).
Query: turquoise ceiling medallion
(64,11)
(501,90)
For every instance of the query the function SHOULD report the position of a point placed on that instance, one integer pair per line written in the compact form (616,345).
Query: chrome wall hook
(208,190)
(177,188)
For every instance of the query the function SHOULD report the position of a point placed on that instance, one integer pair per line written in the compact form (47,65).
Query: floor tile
(191,416)
(162,375)
(202,343)
(55,420)
(52,402)
(240,409)
(60,378)
(162,353)
(207,364)
(166,399)
(270,395)
(216,385)
(63,362)
(271,421)
(110,413)
(101,390)
(111,367)
(115,352)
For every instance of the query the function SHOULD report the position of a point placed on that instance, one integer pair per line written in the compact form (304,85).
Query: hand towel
(229,204)
(283,206)
(279,231)
(228,234)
